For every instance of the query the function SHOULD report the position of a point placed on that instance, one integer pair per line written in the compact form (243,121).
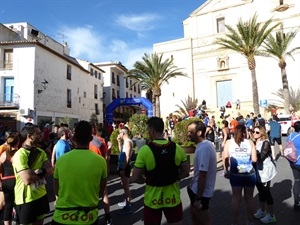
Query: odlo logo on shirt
(76,217)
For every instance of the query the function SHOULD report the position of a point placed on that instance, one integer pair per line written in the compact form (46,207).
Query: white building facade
(117,85)
(41,81)
(218,75)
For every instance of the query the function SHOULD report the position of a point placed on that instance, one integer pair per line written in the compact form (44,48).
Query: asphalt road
(219,205)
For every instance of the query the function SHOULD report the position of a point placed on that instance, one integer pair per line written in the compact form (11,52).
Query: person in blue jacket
(296,166)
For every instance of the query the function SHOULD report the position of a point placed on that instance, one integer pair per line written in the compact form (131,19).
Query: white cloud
(144,22)
(86,44)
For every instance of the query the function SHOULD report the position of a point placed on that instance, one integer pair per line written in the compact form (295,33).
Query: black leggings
(296,187)
(9,196)
(264,193)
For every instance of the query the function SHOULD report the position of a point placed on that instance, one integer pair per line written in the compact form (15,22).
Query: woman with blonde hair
(8,177)
(239,154)
(264,175)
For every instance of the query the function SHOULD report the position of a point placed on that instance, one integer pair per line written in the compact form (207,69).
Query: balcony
(9,101)
(6,65)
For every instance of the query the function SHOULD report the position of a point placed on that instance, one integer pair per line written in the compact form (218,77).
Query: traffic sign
(263,103)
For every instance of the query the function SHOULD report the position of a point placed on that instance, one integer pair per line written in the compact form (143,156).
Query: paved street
(220,203)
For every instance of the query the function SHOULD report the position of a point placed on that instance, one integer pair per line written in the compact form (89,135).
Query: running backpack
(290,151)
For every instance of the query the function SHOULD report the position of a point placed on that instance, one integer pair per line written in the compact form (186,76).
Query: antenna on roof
(62,36)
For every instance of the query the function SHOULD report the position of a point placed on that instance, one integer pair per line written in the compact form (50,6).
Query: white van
(285,122)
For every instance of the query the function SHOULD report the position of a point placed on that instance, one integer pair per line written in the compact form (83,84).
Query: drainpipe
(193,75)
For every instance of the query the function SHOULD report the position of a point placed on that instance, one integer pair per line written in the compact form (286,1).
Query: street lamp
(44,86)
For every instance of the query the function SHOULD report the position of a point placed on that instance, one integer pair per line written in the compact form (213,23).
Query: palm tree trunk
(254,92)
(285,90)
(154,104)
(157,105)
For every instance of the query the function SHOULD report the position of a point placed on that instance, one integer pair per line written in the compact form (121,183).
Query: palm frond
(187,104)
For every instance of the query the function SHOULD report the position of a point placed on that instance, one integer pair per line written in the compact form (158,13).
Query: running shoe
(125,210)
(122,204)
(297,206)
(268,219)
(109,222)
(259,214)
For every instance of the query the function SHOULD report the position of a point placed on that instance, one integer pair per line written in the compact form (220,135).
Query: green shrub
(181,132)
(114,142)
(138,125)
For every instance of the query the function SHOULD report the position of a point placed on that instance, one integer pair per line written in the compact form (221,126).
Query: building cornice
(67,58)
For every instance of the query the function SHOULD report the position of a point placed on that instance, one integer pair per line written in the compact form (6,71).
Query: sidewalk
(219,204)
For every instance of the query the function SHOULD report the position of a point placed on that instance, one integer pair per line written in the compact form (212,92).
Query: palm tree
(294,97)
(246,40)
(188,104)
(277,47)
(153,72)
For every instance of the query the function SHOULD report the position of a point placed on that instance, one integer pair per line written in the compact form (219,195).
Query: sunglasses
(256,132)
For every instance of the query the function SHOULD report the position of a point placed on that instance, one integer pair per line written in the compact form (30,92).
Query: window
(95,91)
(118,94)
(84,94)
(113,94)
(92,72)
(130,95)
(69,98)
(118,80)
(139,90)
(96,74)
(79,99)
(69,72)
(99,76)
(221,25)
(97,109)
(113,78)
(134,87)
(126,94)
(8,90)
(130,82)
(126,82)
(8,59)
(280,2)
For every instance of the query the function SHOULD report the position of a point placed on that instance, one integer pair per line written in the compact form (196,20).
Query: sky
(104,30)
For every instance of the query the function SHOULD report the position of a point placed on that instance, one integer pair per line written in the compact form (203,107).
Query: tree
(153,72)
(188,104)
(294,97)
(246,40)
(277,47)
(94,119)
(138,125)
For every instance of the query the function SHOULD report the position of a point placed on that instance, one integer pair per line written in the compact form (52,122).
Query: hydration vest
(166,172)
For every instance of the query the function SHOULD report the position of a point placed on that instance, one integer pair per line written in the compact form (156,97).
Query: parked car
(285,122)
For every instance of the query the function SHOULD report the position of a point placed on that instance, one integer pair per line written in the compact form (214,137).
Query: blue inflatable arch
(127,101)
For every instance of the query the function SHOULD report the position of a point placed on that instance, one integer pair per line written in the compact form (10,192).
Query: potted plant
(181,135)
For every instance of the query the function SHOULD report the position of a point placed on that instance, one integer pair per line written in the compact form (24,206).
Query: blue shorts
(242,180)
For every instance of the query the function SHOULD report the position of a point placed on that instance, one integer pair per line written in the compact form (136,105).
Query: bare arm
(55,186)
(137,176)
(253,152)
(102,187)
(184,170)
(53,156)
(225,156)
(28,176)
(201,183)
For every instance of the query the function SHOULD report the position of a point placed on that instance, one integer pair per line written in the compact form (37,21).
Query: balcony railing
(9,101)
(6,65)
